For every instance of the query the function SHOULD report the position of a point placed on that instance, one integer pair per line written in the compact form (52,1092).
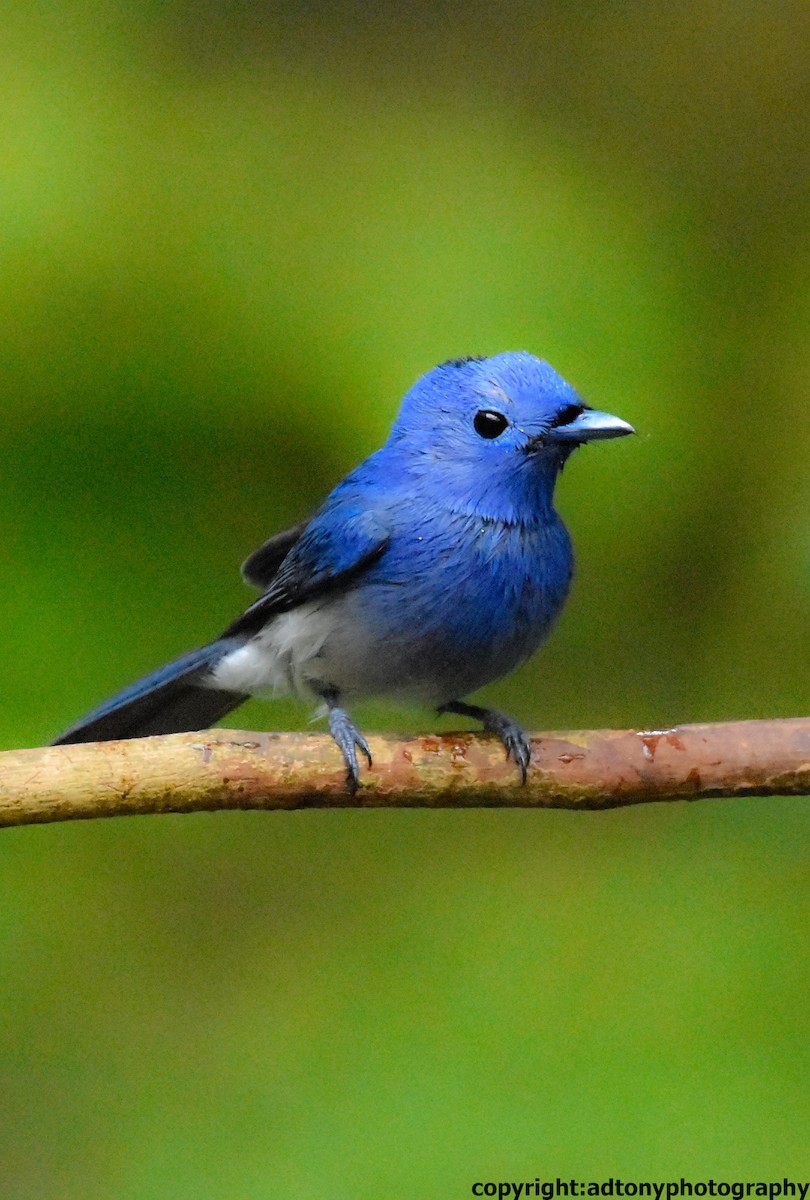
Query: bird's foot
(349,740)
(513,737)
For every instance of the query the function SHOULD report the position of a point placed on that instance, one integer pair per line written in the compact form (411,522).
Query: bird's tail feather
(169,700)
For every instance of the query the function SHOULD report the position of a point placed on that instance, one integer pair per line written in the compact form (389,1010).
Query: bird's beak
(589,426)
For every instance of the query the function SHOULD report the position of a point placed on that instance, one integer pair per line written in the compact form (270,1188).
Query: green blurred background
(232,235)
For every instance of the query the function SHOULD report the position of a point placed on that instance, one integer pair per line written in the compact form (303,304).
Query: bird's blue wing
(331,553)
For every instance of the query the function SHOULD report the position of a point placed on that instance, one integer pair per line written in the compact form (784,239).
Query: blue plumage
(435,567)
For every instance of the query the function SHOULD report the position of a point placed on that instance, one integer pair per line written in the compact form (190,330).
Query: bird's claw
(514,739)
(349,740)
(512,736)
(519,748)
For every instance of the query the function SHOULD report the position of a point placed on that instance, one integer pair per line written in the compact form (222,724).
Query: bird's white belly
(275,662)
(331,645)
(323,646)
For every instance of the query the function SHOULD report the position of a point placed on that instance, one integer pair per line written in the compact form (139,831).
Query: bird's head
(499,422)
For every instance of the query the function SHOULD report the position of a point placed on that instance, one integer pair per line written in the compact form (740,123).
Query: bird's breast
(446,610)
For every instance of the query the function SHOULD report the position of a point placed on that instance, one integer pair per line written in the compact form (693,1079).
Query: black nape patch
(460,362)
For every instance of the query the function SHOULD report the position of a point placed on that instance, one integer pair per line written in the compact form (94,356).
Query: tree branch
(221,769)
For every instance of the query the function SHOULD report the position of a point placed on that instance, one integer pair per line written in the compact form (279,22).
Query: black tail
(170,700)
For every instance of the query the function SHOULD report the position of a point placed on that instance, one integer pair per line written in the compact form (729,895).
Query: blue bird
(435,567)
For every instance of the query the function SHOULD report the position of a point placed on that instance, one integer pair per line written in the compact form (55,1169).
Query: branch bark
(225,769)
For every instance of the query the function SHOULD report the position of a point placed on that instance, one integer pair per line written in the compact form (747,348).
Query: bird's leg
(513,737)
(348,738)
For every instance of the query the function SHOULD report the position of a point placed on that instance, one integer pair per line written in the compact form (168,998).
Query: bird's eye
(489,424)
(566,415)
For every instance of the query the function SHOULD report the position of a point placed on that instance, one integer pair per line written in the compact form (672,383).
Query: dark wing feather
(260,567)
(336,547)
